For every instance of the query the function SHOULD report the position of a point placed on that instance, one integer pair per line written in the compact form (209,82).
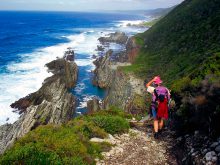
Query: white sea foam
(128,26)
(83,103)
(27,76)
(126,23)
(79,87)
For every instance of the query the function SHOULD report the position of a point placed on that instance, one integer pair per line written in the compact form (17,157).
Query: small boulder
(217,149)
(97,140)
(100,48)
(210,155)
(69,55)
(214,144)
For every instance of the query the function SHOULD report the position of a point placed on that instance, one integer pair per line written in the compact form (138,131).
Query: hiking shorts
(154,112)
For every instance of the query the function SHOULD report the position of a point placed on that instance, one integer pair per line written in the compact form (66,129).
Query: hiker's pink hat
(157,80)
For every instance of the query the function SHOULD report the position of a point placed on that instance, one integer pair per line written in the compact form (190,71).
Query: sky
(85,5)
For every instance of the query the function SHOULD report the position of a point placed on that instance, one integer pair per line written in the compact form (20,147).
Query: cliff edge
(52,103)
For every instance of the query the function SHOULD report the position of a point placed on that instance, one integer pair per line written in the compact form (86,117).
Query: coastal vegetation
(68,143)
(180,42)
(183,48)
(150,23)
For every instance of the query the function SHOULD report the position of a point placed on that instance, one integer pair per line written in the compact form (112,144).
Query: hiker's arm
(150,82)
(168,94)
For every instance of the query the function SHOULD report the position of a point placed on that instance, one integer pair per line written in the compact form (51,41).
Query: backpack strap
(156,94)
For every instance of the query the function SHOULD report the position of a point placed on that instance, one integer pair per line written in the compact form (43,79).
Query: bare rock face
(103,73)
(52,103)
(93,105)
(123,90)
(117,37)
(107,65)
(100,48)
(69,55)
(131,50)
(127,93)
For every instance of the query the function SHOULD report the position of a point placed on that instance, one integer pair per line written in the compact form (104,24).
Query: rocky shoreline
(51,104)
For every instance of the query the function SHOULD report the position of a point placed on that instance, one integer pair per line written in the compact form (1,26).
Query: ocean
(29,40)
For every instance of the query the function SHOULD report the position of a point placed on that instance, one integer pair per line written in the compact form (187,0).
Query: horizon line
(26,10)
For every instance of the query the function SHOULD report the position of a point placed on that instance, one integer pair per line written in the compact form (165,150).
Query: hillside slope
(179,43)
(183,48)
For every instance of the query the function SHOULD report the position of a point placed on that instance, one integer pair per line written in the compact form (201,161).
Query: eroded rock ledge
(117,37)
(52,103)
(123,90)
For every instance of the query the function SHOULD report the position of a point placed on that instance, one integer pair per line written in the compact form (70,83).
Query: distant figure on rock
(159,104)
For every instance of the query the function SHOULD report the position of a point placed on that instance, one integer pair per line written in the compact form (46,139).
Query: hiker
(159,104)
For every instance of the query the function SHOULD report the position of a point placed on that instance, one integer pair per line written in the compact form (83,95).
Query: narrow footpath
(138,147)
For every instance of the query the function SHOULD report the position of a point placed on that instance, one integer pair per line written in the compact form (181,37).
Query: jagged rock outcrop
(69,55)
(123,90)
(52,103)
(107,65)
(100,48)
(131,50)
(126,92)
(103,73)
(129,54)
(93,105)
(117,37)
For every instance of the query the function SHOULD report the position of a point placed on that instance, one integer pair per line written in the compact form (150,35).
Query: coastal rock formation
(128,54)
(131,50)
(124,91)
(52,103)
(100,48)
(103,73)
(117,37)
(93,105)
(69,55)
(107,65)
(127,93)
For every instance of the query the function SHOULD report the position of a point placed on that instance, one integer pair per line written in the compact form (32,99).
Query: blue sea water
(28,40)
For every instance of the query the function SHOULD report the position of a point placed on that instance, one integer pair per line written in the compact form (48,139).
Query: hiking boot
(156,135)
(159,131)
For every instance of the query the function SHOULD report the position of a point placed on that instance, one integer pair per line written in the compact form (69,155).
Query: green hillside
(184,49)
(180,43)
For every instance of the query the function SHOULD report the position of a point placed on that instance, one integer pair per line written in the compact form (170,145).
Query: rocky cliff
(123,90)
(127,93)
(52,103)
(117,37)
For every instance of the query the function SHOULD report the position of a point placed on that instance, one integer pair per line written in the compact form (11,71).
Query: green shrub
(30,153)
(87,128)
(113,111)
(52,145)
(111,124)
(181,84)
(68,143)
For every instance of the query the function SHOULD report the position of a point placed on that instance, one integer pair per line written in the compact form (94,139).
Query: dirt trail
(138,147)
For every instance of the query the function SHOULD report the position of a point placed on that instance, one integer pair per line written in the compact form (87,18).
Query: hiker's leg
(161,123)
(155,125)
(154,113)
